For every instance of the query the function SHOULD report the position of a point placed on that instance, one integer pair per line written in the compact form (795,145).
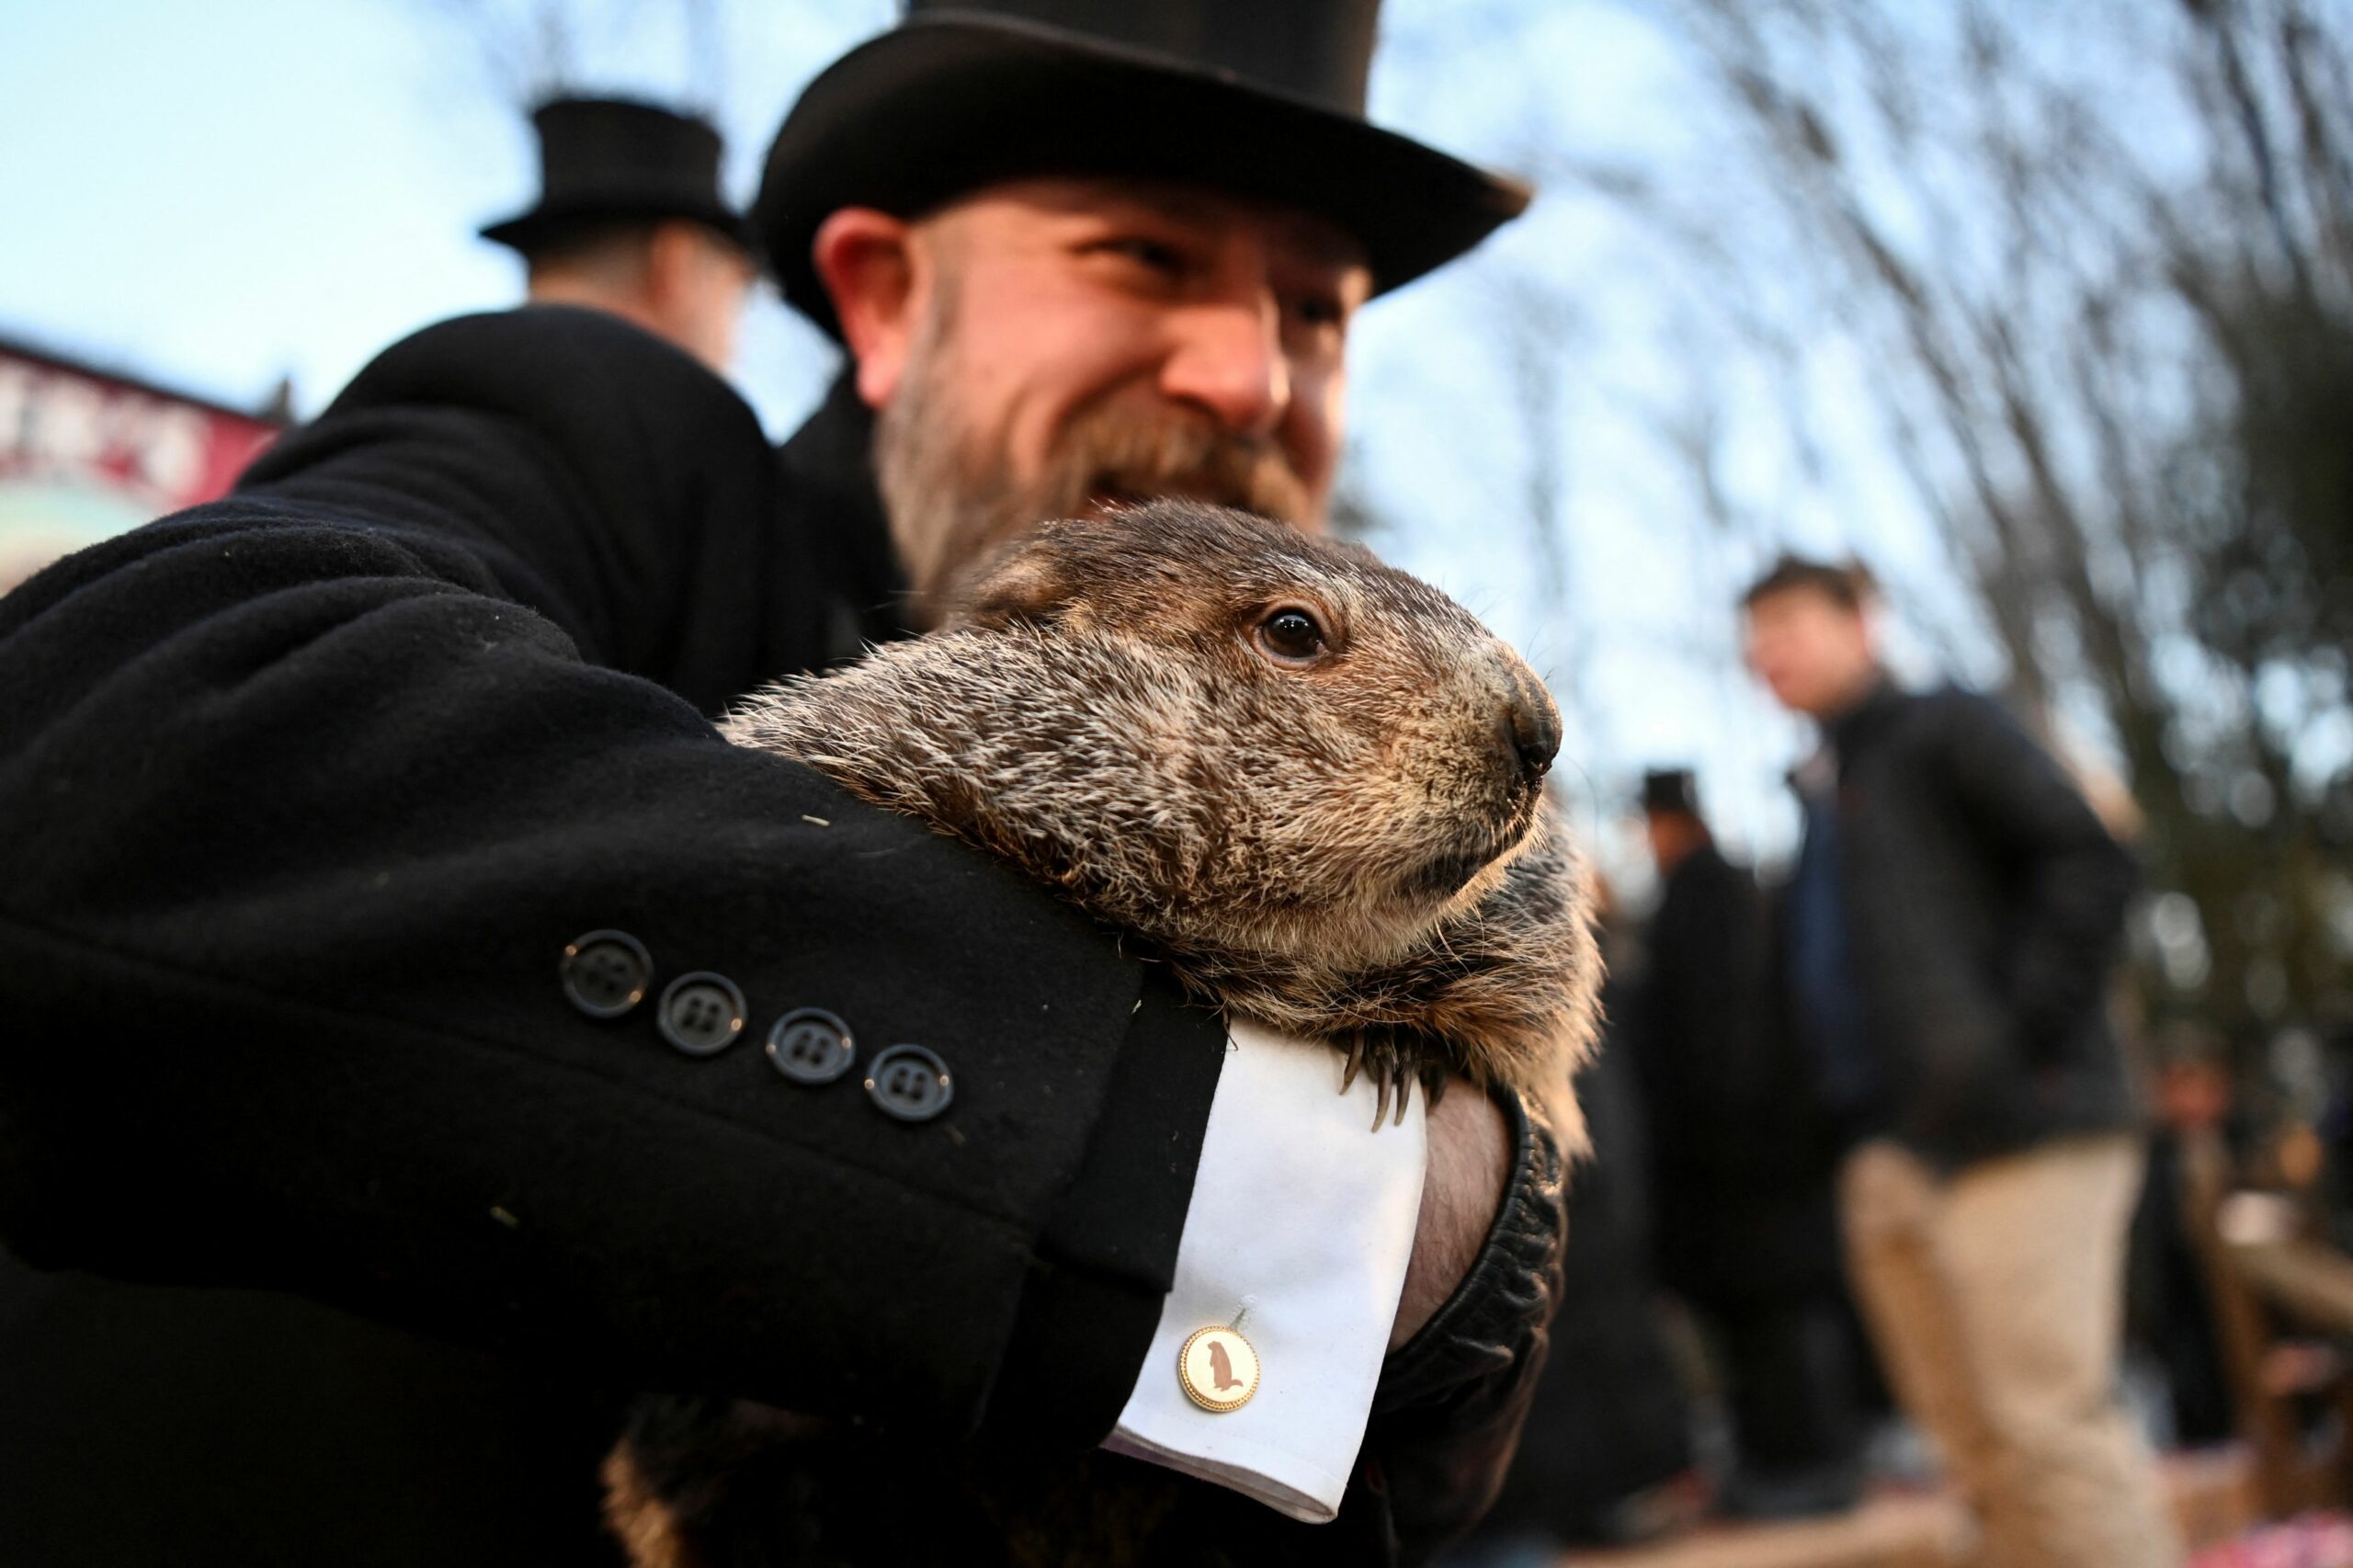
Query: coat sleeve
(2071,881)
(303,795)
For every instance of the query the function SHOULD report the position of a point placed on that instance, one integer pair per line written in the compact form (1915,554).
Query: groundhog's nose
(1529,730)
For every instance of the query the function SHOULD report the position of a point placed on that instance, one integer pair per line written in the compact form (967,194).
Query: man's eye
(1147,253)
(1319,310)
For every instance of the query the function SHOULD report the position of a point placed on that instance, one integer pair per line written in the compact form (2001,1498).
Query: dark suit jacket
(302,795)
(307,791)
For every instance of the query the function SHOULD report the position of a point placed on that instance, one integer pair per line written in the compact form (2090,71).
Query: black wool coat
(337,1226)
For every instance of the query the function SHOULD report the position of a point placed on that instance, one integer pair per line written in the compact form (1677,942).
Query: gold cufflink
(1218,1368)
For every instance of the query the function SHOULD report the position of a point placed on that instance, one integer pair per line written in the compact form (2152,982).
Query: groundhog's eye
(1292,636)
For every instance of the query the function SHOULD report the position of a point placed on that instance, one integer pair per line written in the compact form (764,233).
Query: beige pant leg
(2033,1247)
(1889,1206)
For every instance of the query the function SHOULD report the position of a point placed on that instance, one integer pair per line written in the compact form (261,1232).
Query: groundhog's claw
(1393,1065)
(1393,1079)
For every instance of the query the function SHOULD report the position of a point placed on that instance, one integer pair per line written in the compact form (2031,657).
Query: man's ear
(867,260)
(669,278)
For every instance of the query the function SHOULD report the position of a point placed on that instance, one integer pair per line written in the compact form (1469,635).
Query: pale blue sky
(220,195)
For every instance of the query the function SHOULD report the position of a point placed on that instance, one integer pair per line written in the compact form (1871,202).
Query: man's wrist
(1452,1403)
(1472,1160)
(1503,1304)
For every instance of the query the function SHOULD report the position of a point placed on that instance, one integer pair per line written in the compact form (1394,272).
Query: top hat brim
(944,104)
(528,231)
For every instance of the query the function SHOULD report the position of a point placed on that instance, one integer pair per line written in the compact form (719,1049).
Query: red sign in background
(84,453)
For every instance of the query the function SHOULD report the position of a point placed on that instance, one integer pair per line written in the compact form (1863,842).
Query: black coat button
(605,972)
(810,1046)
(910,1083)
(702,1013)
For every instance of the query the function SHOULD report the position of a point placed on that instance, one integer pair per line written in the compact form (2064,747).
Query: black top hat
(611,158)
(1671,790)
(1262,97)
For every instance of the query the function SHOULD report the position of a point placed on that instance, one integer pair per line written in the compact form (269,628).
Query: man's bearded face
(949,485)
(1077,343)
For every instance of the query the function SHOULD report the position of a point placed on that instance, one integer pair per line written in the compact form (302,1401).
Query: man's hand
(1470,1160)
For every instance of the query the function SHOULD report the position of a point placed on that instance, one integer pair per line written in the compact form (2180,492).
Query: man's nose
(1229,362)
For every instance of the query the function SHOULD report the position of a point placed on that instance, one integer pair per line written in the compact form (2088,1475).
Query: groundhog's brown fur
(1352,846)
(1350,850)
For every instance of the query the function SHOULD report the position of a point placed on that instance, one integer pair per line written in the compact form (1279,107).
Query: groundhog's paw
(1395,1058)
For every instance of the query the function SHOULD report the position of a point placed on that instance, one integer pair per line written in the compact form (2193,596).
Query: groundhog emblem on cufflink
(1218,1368)
(1310,784)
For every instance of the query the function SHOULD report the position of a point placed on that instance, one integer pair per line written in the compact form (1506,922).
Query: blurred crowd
(1883,1194)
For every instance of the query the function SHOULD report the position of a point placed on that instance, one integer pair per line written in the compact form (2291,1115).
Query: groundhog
(1311,784)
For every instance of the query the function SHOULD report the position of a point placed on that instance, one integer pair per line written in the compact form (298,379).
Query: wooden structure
(2273,1284)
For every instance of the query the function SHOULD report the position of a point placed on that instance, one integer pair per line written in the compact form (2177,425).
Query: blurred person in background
(630,220)
(1954,917)
(2172,1304)
(389,940)
(1748,1230)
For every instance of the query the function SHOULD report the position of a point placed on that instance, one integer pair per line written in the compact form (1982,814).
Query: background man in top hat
(630,220)
(1746,1231)
(395,817)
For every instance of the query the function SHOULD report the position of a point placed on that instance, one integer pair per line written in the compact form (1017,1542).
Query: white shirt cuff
(1299,1226)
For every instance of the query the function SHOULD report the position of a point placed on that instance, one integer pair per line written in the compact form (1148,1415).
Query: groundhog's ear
(1029,586)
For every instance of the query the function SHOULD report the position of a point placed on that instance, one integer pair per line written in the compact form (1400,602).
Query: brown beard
(952,499)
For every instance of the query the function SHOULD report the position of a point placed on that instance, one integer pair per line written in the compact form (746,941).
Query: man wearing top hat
(1741,1163)
(380,856)
(630,220)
